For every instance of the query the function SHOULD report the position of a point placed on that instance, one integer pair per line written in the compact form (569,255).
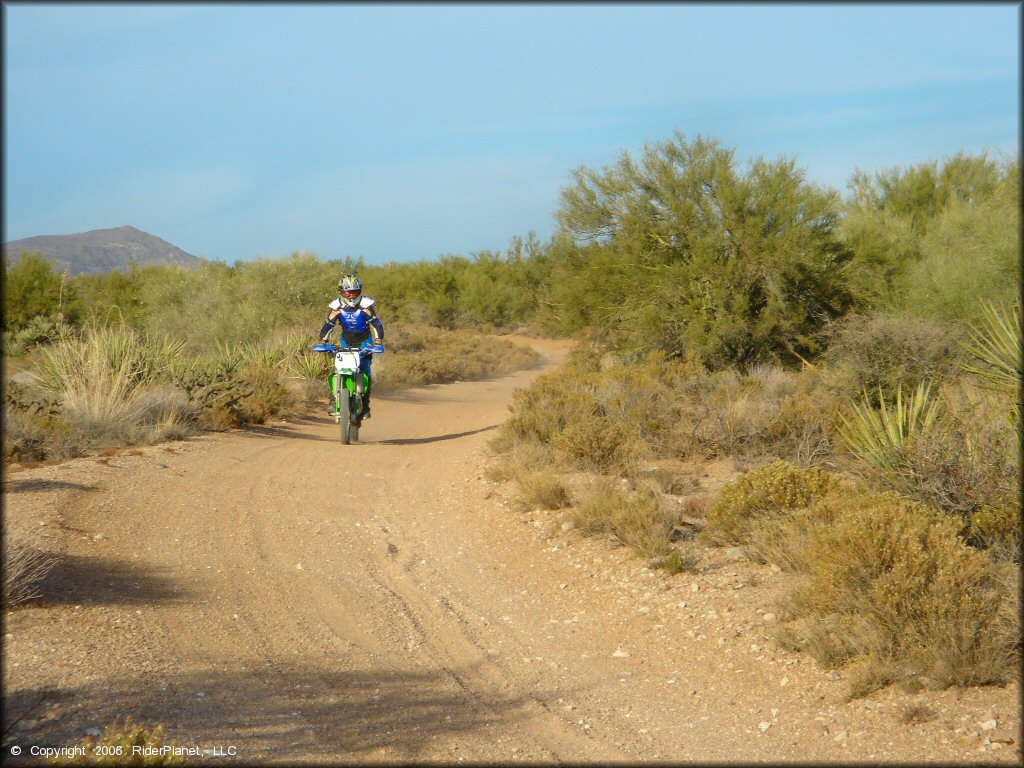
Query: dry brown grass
(636,520)
(542,489)
(25,565)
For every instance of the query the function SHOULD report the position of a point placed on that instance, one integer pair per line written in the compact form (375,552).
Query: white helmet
(351,288)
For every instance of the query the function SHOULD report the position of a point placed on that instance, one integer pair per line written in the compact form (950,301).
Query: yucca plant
(881,438)
(308,365)
(995,346)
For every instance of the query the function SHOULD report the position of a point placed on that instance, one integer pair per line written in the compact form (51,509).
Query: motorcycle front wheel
(344,396)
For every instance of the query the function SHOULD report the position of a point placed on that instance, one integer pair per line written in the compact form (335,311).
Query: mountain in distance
(99,250)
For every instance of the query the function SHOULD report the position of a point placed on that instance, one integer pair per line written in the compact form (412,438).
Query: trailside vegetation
(856,358)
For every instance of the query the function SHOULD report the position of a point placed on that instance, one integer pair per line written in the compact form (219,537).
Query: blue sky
(404,132)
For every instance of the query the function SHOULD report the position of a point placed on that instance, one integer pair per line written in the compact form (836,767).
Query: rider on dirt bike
(359,321)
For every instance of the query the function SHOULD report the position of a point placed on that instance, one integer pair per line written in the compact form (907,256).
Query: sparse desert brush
(766,412)
(637,520)
(879,353)
(433,356)
(891,588)
(119,739)
(772,490)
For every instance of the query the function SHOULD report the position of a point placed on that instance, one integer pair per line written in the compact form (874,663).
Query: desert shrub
(636,520)
(595,442)
(764,412)
(891,587)
(30,416)
(542,489)
(30,287)
(515,456)
(25,565)
(772,490)
(120,739)
(269,398)
(879,353)
(957,453)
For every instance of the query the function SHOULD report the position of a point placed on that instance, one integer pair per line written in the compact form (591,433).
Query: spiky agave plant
(882,437)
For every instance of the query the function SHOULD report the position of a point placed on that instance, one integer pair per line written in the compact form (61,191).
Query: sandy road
(273,591)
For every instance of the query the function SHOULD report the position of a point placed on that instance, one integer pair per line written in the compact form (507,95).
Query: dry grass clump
(637,520)
(24,566)
(542,489)
(766,411)
(773,490)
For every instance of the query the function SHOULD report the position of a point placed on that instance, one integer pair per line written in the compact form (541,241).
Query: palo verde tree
(30,288)
(931,239)
(681,251)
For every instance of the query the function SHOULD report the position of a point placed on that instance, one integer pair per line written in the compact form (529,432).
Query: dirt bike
(348,385)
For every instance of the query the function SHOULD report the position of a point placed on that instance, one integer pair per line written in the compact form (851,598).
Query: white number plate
(346,361)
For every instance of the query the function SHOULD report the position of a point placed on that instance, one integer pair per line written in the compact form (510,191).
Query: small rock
(843,735)
(989,725)
(695,587)
(99,537)
(298,566)
(735,553)
(92,732)
(776,569)
(764,726)
(784,682)
(620,654)
(757,648)
(775,712)
(568,525)
(769,617)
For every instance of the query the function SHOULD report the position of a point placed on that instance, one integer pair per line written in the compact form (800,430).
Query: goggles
(351,294)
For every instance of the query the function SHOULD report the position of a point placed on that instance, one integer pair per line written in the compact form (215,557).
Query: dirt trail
(276,592)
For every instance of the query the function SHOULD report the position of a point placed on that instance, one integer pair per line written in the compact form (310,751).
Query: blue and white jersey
(355,319)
